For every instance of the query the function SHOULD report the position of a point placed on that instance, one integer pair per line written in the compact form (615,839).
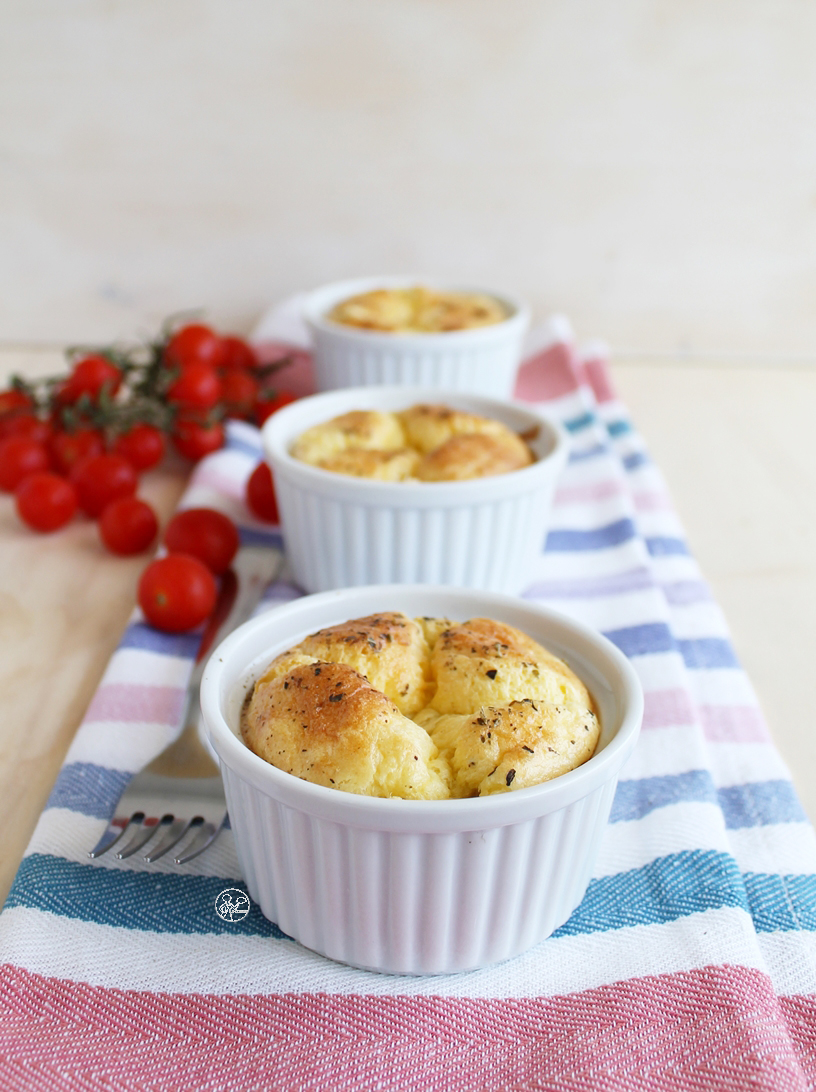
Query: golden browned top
(423,443)
(421,708)
(418,310)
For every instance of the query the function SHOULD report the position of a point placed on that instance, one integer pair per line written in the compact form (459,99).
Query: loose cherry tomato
(19,457)
(194,342)
(89,376)
(194,440)
(100,479)
(198,387)
(26,424)
(265,407)
(237,354)
(69,448)
(14,401)
(260,494)
(143,446)
(239,392)
(206,534)
(45,501)
(176,593)
(128,526)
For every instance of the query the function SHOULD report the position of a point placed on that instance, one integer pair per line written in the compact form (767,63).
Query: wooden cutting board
(64,602)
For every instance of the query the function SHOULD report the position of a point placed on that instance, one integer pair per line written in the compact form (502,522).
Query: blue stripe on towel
(662,891)
(139,635)
(89,789)
(665,890)
(756,804)
(636,798)
(571,541)
(618,428)
(575,424)
(643,640)
(159,902)
(636,459)
(666,546)
(588,453)
(707,653)
(781,902)
(760,803)
(254,536)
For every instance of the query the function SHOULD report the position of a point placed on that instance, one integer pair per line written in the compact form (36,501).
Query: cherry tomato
(198,387)
(143,446)
(128,526)
(194,440)
(239,392)
(265,407)
(176,593)
(20,456)
(45,501)
(237,354)
(194,342)
(14,401)
(69,448)
(89,376)
(260,494)
(100,479)
(206,534)
(26,424)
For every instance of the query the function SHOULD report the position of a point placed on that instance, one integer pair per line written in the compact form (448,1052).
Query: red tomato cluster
(178,592)
(55,471)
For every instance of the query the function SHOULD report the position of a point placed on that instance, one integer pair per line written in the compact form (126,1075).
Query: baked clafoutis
(418,310)
(428,443)
(420,709)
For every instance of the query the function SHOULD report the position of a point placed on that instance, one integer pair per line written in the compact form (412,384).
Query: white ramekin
(416,886)
(483,360)
(342,531)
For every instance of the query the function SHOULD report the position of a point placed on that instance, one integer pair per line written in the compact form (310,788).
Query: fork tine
(113,834)
(205,837)
(143,836)
(174,835)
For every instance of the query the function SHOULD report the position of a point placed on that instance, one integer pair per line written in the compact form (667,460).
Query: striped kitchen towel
(690,963)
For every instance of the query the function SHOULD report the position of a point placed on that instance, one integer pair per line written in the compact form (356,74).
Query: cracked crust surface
(423,708)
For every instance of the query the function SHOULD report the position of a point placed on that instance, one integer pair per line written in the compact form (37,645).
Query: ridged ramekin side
(488,369)
(333,542)
(415,903)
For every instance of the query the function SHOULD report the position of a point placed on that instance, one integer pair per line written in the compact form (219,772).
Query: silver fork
(184,778)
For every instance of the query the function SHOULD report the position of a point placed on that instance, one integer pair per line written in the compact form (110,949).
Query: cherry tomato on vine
(176,593)
(100,479)
(143,446)
(69,448)
(45,501)
(260,494)
(237,354)
(265,407)
(204,533)
(194,342)
(194,440)
(239,393)
(198,387)
(89,376)
(20,456)
(14,401)
(128,526)
(26,424)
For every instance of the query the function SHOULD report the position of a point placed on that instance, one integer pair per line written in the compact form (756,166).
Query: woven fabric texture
(690,963)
